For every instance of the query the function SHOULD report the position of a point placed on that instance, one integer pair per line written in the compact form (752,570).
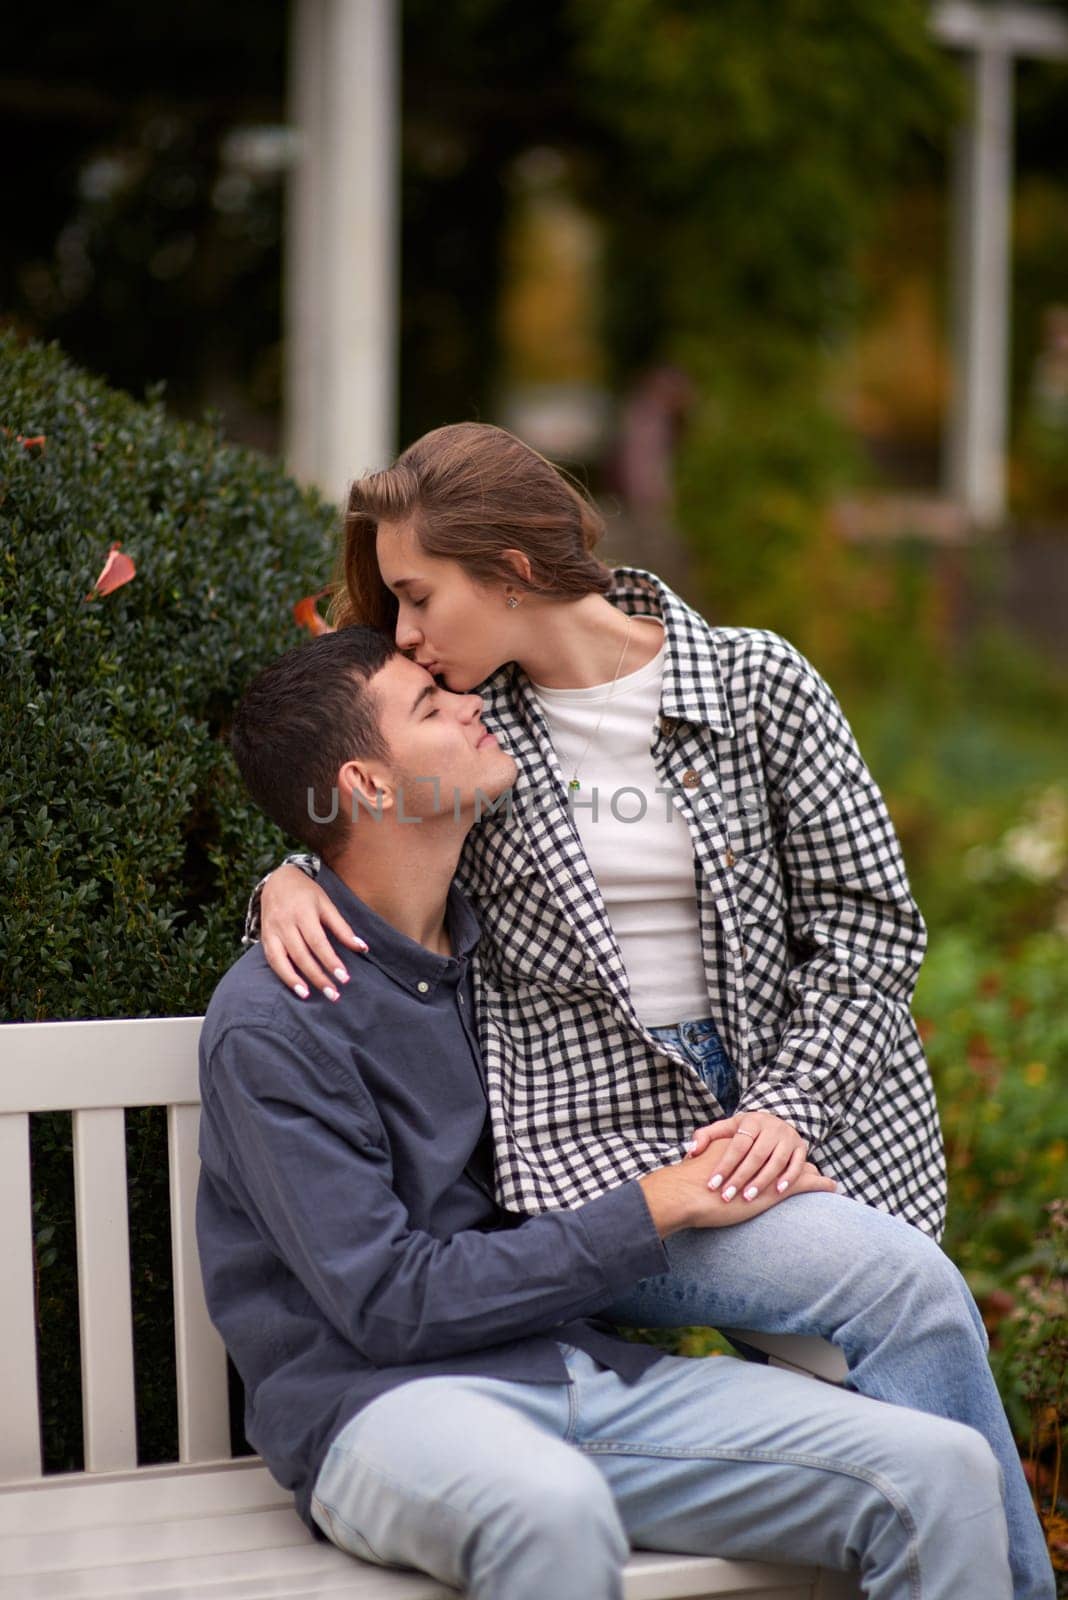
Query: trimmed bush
(127,844)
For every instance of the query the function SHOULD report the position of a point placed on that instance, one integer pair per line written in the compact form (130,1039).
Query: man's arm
(308,1159)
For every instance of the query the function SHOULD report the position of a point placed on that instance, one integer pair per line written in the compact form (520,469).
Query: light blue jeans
(886,1295)
(520,1491)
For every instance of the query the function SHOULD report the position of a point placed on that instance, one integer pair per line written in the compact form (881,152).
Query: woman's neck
(578,645)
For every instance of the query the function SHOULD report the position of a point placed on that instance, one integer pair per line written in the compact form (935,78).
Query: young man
(420,1367)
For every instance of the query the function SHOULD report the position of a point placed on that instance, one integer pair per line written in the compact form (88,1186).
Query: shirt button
(729,858)
(423,987)
(668,725)
(691,780)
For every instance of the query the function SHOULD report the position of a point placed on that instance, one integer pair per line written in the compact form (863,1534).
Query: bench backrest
(95,1070)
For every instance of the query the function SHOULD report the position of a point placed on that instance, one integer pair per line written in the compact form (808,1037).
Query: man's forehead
(400,681)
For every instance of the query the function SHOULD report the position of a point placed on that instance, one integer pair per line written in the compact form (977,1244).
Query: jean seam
(571,1429)
(334,1517)
(402,1488)
(620,1447)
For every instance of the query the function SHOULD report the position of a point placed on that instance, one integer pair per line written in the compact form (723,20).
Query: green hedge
(127,845)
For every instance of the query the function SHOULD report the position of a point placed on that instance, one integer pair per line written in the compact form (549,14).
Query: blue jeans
(702,1046)
(517,1491)
(885,1294)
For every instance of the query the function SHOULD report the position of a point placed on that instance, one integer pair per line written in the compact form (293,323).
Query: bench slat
(241,1561)
(139,1061)
(203,1405)
(73,1500)
(104,1289)
(20,1435)
(294,1574)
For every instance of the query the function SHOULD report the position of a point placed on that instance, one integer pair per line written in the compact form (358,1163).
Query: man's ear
(365,785)
(519,563)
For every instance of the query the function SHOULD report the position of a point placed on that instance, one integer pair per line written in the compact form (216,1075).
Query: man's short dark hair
(300,720)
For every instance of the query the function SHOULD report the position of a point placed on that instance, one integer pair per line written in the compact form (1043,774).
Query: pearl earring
(512,602)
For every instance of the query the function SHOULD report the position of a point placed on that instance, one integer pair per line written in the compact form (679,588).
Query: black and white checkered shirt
(801,894)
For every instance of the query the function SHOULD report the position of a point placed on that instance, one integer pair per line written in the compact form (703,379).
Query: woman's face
(456,628)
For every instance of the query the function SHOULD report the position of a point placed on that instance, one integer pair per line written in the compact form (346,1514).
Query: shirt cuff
(783,1100)
(623,1236)
(308,862)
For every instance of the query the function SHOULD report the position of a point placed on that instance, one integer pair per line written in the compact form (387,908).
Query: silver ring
(745,1134)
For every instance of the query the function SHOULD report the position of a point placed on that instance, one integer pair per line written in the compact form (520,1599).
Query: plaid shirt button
(691,779)
(668,725)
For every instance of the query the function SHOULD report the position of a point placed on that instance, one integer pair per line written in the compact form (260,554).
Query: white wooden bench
(206,1527)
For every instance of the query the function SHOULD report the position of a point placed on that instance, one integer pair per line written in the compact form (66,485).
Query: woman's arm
(290,915)
(854,928)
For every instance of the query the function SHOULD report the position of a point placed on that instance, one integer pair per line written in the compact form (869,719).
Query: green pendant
(574,784)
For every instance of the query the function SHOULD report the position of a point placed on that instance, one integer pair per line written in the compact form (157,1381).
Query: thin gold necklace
(573,782)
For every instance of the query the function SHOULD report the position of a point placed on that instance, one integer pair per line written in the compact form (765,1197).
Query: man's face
(441,755)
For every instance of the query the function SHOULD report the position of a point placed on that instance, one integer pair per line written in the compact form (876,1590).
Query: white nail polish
(715,1181)
(750,1193)
(783,1183)
(691,1147)
(331,994)
(730,1192)
(301,989)
(341,975)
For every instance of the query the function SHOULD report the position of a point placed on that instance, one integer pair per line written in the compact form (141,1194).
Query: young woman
(693,909)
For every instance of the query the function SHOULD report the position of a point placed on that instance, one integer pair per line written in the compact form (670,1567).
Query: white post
(978,439)
(982,248)
(341,242)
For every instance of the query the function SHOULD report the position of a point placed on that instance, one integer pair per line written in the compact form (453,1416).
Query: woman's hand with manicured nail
(295,918)
(762,1150)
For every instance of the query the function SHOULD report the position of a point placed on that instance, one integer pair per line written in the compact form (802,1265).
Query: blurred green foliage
(755,162)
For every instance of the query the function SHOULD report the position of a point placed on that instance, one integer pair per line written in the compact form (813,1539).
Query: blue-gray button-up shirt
(348,1237)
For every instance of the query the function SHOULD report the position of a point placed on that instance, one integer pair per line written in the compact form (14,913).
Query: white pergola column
(977,445)
(341,255)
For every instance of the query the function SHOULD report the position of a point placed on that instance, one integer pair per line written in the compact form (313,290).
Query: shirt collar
(400,958)
(693,680)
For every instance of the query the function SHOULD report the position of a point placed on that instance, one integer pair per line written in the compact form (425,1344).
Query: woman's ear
(519,563)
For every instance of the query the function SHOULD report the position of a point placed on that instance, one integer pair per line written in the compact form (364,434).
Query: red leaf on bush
(117,570)
(34,442)
(306,616)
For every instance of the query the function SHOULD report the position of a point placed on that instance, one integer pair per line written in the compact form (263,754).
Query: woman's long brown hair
(470,491)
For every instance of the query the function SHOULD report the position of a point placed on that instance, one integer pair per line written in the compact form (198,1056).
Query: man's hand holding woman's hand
(295,917)
(764,1153)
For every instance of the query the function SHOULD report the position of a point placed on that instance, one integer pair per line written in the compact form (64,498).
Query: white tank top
(637,844)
